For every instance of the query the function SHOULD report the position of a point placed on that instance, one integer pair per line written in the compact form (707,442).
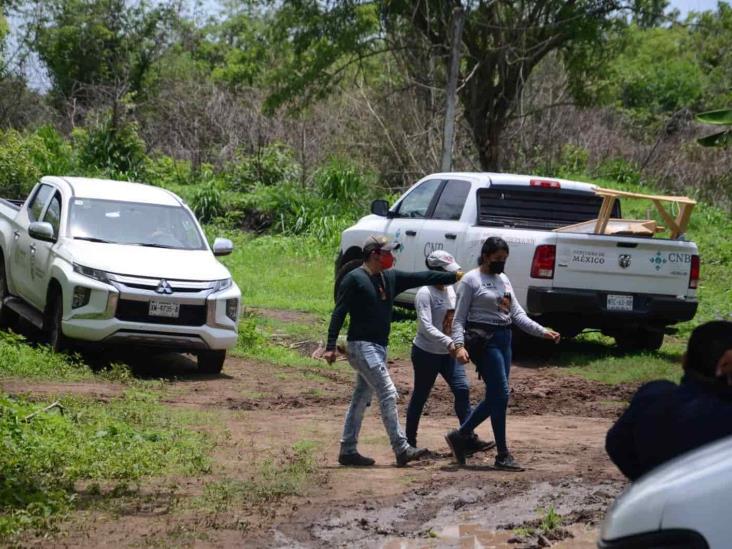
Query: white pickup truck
(629,287)
(116,263)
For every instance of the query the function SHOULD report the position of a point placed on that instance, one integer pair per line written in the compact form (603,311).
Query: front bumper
(117,314)
(590,306)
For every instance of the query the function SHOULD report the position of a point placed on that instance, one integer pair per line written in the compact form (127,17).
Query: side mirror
(380,207)
(222,246)
(41,230)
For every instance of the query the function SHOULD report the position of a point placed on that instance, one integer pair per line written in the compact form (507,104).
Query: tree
(99,46)
(502,42)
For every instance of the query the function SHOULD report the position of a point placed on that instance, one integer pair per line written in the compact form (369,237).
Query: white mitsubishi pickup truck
(116,263)
(628,286)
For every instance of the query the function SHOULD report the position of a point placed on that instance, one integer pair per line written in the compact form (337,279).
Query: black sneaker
(355,460)
(506,462)
(457,444)
(475,444)
(410,454)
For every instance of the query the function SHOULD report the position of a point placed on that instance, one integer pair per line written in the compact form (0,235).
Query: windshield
(118,222)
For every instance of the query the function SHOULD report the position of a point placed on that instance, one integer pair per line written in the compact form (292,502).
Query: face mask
(496,267)
(386,260)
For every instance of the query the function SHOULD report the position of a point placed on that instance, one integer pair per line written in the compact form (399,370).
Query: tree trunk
(448,136)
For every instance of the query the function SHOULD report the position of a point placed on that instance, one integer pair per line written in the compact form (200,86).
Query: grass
(121,441)
(287,473)
(18,359)
(279,272)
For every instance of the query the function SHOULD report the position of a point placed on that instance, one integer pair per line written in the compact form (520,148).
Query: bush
(342,181)
(271,165)
(113,151)
(207,202)
(167,172)
(620,170)
(573,160)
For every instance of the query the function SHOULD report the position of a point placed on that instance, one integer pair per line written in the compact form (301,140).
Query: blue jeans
(426,368)
(494,366)
(372,376)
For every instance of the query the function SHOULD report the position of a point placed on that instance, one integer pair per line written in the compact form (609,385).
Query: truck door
(40,255)
(408,221)
(20,268)
(444,230)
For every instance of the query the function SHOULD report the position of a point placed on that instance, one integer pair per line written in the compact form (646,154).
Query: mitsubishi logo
(164,287)
(624,260)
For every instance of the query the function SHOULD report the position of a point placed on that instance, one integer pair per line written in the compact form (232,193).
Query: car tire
(7,316)
(211,362)
(343,271)
(54,329)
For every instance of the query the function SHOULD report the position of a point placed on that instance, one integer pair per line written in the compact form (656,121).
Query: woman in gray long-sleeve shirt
(487,303)
(432,352)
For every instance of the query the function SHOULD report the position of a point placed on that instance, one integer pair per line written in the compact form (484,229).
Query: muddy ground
(556,428)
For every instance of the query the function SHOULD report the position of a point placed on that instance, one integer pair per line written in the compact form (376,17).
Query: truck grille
(137,311)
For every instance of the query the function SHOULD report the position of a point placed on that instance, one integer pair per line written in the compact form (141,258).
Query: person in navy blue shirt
(665,420)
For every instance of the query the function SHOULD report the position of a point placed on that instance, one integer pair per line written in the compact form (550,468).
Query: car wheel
(343,271)
(54,331)
(7,316)
(211,362)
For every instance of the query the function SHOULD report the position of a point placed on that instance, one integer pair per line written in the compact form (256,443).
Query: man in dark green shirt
(367,294)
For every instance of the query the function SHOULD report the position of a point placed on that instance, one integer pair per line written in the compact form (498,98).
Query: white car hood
(147,262)
(689,492)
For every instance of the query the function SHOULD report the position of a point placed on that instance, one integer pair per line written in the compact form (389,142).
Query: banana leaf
(721,139)
(721,117)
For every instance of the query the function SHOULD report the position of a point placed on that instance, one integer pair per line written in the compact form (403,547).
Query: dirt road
(258,411)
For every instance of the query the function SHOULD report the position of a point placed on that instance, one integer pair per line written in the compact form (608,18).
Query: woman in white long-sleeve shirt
(431,349)
(486,309)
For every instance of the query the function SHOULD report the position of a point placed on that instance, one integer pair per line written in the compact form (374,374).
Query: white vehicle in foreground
(565,274)
(684,503)
(116,263)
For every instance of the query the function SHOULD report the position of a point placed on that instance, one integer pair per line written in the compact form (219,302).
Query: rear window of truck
(537,208)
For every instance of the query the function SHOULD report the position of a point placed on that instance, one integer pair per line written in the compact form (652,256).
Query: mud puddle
(484,513)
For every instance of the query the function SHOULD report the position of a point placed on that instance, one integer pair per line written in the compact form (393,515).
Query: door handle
(33,249)
(451,236)
(16,235)
(411,233)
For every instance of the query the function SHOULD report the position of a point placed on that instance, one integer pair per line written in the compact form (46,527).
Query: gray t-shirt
(432,305)
(489,299)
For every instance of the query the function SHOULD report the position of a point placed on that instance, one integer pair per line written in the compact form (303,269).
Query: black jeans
(426,368)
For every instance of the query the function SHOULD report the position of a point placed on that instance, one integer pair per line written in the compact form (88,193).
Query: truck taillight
(543,264)
(545,183)
(694,272)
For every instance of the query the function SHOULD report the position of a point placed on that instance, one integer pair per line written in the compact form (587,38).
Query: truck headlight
(222,285)
(96,274)
(232,309)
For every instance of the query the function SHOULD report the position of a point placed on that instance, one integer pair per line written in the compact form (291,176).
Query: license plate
(619,302)
(163,308)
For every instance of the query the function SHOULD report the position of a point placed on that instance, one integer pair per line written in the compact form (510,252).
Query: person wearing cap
(366,295)
(486,309)
(432,348)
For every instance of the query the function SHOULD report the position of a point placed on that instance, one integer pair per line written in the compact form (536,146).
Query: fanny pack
(476,338)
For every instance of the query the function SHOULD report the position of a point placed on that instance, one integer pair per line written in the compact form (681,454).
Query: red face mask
(386,260)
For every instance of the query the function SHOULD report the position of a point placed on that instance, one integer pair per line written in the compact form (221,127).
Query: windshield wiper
(151,245)
(93,239)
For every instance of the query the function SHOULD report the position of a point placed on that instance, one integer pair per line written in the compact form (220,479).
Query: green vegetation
(290,472)
(44,453)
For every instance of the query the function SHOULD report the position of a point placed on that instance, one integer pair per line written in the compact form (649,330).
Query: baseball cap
(378,242)
(440,260)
